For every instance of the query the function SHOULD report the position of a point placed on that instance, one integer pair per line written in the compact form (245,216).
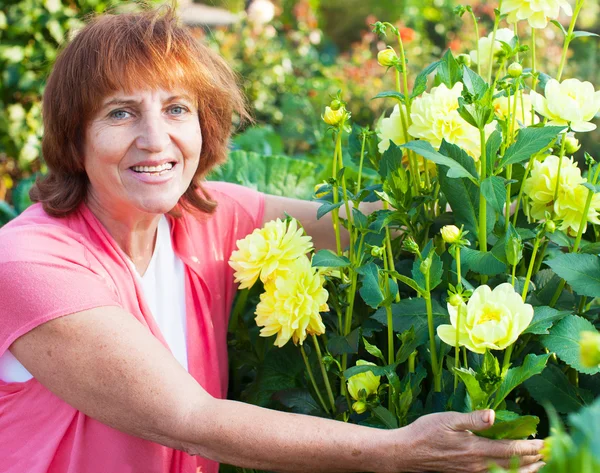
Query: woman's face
(141,150)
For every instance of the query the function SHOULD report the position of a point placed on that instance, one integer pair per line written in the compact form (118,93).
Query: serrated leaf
(477,395)
(582,272)
(340,344)
(474,83)
(329,259)
(406,280)
(370,290)
(564,341)
(390,94)
(510,426)
(552,386)
(423,148)
(532,365)
(494,192)
(531,140)
(386,417)
(481,262)
(328,207)
(299,401)
(448,70)
(390,161)
(373,350)
(421,79)
(543,318)
(491,149)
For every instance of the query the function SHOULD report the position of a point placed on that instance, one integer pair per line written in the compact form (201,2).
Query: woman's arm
(106,364)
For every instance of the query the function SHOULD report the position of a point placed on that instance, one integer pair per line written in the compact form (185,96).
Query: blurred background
(292,56)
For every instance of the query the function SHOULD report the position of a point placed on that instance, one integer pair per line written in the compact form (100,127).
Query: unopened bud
(377,251)
(411,245)
(513,249)
(333,117)
(387,57)
(425,266)
(450,233)
(550,226)
(589,349)
(571,144)
(515,70)
(335,104)
(359,407)
(455,300)
(464,59)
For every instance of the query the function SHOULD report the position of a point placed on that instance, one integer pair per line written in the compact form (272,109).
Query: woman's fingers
(527,460)
(511,448)
(533,468)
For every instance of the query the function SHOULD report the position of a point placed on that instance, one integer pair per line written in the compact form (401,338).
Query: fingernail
(485,417)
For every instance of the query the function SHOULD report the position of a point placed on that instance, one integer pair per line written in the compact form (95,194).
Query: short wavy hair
(121,52)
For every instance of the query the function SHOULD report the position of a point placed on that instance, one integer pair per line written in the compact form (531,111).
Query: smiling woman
(116,289)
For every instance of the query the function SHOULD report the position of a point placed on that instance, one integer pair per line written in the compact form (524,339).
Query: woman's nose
(153,135)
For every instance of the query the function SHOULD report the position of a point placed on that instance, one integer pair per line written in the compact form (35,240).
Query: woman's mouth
(154,170)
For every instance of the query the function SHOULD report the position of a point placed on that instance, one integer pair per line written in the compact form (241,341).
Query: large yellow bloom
(391,129)
(536,12)
(268,251)
(435,117)
(490,320)
(485,44)
(523,110)
(571,102)
(568,207)
(291,303)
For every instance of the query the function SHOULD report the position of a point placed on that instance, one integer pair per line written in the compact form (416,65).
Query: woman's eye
(178,110)
(119,114)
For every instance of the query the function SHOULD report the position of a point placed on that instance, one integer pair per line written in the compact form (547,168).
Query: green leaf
(552,386)
(376,370)
(390,94)
(564,341)
(329,259)
(299,401)
(478,396)
(481,262)
(435,272)
(543,318)
(276,175)
(423,148)
(406,280)
(7,213)
(530,141)
(328,207)
(421,79)
(474,83)
(591,248)
(494,192)
(386,417)
(259,139)
(373,350)
(559,26)
(532,365)
(582,272)
(340,344)
(491,150)
(448,70)
(510,426)
(585,429)
(390,161)
(581,34)
(370,290)
(20,195)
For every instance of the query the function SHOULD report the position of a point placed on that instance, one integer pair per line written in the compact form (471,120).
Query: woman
(116,288)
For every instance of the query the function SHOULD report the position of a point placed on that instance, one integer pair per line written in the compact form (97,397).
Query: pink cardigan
(52,267)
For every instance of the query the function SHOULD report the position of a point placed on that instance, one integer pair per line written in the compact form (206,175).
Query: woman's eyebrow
(127,102)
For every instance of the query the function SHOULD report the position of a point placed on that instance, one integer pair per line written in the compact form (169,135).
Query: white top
(163,286)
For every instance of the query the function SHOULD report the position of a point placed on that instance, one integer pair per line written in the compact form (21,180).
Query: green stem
(506,360)
(312,379)
(240,303)
(582,302)
(536,245)
(324,373)
(335,212)
(508,191)
(514,270)
(476,41)
(411,361)
(560,158)
(534,76)
(457,346)
(568,39)
(482,202)
(437,382)
(540,259)
(491,59)
(520,196)
(465,358)
(360,166)
(405,119)
(458,270)
(389,254)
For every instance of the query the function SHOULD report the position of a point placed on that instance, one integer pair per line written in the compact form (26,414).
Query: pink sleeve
(45,274)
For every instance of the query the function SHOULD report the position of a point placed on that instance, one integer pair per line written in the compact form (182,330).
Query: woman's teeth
(157,169)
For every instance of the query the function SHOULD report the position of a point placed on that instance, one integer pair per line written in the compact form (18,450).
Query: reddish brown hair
(122,52)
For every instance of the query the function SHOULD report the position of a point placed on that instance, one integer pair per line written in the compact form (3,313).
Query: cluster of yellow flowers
(568,207)
(294,294)
(536,12)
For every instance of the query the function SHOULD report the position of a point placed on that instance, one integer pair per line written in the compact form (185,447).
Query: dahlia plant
(474,282)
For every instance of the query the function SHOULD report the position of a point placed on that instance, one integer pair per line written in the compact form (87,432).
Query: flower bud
(321,190)
(377,251)
(333,117)
(411,245)
(455,300)
(387,57)
(571,144)
(550,226)
(515,70)
(464,59)
(513,249)
(359,407)
(589,349)
(425,265)
(450,233)
(335,105)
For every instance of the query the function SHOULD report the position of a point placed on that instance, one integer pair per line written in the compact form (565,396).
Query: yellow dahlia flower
(485,44)
(450,233)
(570,102)
(568,207)
(435,117)
(492,319)
(366,382)
(291,303)
(589,349)
(268,251)
(536,12)
(523,111)
(391,129)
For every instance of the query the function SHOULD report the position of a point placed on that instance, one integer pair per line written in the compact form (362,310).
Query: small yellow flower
(536,12)
(366,382)
(387,57)
(268,251)
(494,319)
(392,129)
(589,349)
(333,117)
(572,144)
(523,110)
(570,102)
(359,407)
(291,304)
(485,44)
(435,117)
(450,233)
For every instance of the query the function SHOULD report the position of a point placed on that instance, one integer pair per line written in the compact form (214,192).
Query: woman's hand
(445,443)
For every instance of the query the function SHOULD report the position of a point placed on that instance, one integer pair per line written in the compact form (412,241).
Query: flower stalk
(312,379)
(568,39)
(324,373)
(482,202)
